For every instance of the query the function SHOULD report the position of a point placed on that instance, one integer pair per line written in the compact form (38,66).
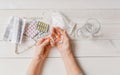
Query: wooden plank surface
(59,4)
(55,66)
(81,48)
(96,57)
(105,45)
(109,19)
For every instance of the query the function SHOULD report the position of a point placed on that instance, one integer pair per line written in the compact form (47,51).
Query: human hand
(61,40)
(43,47)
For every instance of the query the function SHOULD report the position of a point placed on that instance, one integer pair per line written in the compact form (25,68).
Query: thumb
(46,42)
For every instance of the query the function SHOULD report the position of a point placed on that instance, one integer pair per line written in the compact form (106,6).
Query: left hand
(43,47)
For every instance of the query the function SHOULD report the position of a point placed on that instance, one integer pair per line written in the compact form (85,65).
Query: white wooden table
(96,57)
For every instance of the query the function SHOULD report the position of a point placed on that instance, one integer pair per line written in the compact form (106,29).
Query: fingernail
(48,39)
(36,44)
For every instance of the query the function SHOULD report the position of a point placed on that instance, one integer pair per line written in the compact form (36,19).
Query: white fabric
(57,20)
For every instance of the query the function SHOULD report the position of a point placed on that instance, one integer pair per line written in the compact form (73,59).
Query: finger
(54,33)
(59,30)
(53,29)
(40,41)
(48,49)
(65,34)
(52,40)
(46,42)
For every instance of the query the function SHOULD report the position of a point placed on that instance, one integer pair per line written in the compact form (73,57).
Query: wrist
(66,53)
(38,58)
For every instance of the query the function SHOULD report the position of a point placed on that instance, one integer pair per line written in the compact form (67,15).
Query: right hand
(62,41)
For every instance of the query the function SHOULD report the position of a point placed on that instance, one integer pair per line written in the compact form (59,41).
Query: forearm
(71,64)
(35,66)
